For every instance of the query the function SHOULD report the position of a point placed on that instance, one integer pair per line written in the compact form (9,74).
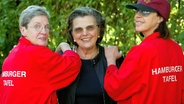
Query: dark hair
(163,29)
(81,12)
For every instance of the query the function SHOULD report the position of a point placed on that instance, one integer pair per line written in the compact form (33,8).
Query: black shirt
(89,89)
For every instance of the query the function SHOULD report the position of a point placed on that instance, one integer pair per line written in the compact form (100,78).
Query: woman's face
(85,32)
(37,30)
(147,23)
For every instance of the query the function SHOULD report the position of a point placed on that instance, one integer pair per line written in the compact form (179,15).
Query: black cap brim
(140,7)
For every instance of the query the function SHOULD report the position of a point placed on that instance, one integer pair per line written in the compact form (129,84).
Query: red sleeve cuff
(111,68)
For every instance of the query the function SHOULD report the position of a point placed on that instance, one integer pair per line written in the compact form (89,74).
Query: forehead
(84,21)
(39,19)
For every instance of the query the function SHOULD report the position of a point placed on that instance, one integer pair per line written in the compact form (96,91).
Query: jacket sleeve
(183,84)
(121,84)
(1,87)
(69,67)
(61,70)
(183,90)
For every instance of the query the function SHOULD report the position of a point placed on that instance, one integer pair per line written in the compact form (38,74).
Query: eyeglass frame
(144,12)
(38,27)
(80,30)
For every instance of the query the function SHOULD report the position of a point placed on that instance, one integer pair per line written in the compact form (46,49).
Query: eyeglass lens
(143,12)
(39,27)
(88,28)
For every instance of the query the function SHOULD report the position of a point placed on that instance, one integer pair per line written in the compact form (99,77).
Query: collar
(23,40)
(152,36)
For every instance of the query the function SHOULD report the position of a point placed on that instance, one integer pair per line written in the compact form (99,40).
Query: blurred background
(119,21)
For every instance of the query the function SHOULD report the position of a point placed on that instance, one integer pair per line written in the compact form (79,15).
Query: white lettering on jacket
(168,69)
(14,74)
(8,82)
(8,74)
(170,78)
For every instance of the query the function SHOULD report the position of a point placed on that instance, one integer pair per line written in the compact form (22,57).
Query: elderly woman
(152,72)
(86,28)
(32,73)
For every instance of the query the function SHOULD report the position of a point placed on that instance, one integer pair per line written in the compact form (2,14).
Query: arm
(123,83)
(183,91)
(61,69)
(66,69)
(183,84)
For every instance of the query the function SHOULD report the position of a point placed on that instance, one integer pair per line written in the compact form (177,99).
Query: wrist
(111,62)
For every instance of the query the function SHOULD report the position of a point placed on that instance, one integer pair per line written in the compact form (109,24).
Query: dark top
(88,87)
(89,90)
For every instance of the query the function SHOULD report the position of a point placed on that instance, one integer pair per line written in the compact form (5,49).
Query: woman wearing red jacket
(152,72)
(32,73)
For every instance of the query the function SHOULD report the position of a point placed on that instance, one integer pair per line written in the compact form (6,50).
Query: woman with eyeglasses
(86,28)
(32,73)
(152,72)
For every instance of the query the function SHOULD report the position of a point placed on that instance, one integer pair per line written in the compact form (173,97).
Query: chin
(42,44)
(138,30)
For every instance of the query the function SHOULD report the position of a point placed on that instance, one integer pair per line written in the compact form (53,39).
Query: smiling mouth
(85,39)
(43,38)
(138,22)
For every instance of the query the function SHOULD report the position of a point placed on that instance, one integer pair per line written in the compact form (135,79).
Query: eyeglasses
(88,28)
(144,12)
(39,27)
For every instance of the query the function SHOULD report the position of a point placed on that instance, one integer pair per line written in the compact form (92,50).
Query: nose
(84,32)
(137,15)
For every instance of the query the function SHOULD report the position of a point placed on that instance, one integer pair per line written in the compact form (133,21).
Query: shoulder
(40,50)
(36,52)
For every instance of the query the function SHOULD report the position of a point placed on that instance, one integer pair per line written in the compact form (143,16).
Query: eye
(78,30)
(47,27)
(37,27)
(90,27)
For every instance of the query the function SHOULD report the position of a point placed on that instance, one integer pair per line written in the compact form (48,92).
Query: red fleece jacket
(31,74)
(151,73)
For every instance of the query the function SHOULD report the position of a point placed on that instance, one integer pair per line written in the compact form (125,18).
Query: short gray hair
(30,12)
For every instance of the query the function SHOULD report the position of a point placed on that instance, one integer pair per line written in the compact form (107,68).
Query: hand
(112,54)
(63,46)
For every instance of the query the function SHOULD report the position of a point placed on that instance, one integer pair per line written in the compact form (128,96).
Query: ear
(23,30)
(161,19)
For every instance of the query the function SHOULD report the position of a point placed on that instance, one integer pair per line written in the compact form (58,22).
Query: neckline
(96,58)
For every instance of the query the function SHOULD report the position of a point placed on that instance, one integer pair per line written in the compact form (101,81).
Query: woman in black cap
(152,72)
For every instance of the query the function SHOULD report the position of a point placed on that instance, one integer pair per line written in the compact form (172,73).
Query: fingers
(64,46)
(112,51)
(120,52)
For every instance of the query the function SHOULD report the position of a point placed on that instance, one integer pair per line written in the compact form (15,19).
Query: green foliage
(176,21)
(119,20)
